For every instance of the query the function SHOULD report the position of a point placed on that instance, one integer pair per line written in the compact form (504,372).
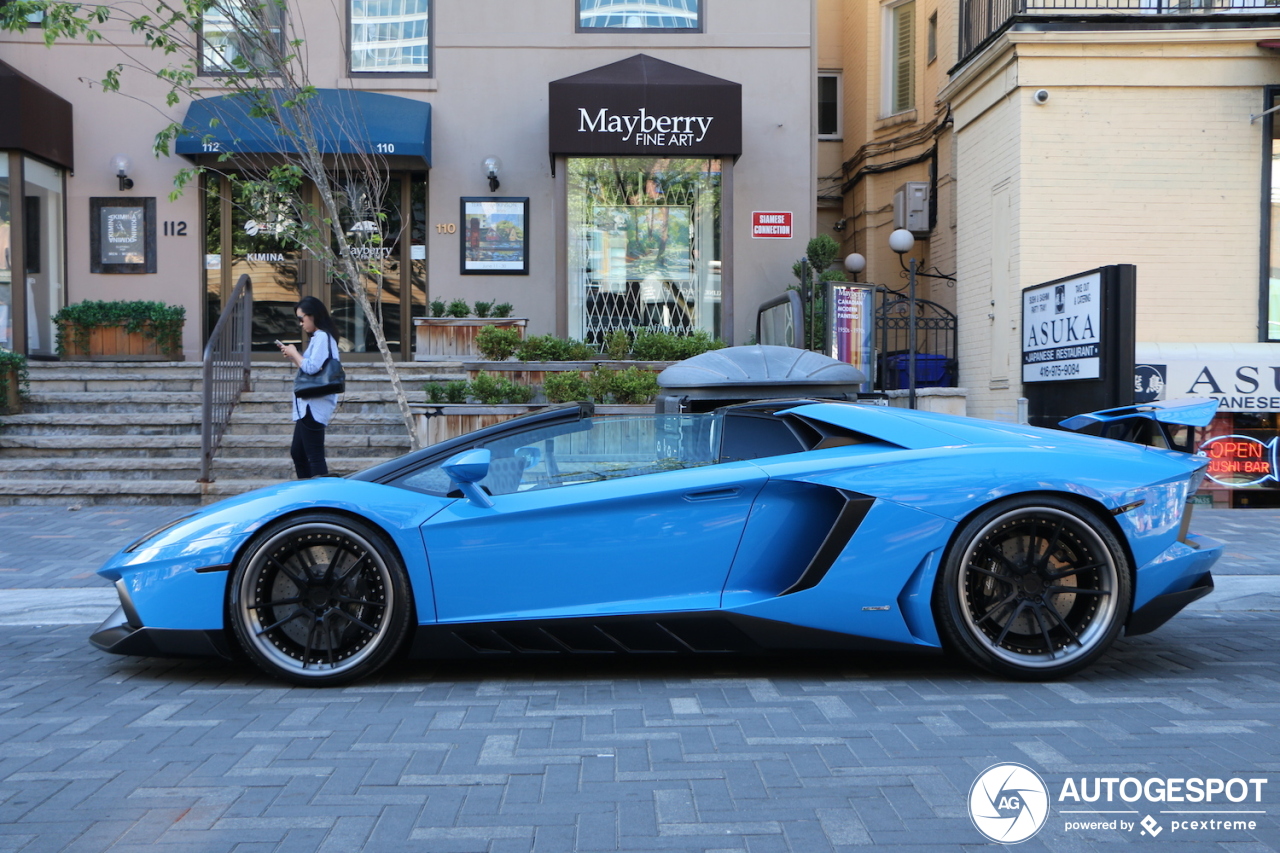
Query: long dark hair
(319,315)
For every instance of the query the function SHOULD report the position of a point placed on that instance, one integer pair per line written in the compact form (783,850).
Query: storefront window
(43,243)
(640,14)
(391,36)
(644,245)
(374,230)
(6,271)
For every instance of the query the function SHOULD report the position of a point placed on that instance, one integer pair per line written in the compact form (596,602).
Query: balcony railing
(983,20)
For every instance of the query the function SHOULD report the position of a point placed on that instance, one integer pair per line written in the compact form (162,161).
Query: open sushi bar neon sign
(1240,460)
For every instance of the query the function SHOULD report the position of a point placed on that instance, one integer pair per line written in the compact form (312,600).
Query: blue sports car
(775,525)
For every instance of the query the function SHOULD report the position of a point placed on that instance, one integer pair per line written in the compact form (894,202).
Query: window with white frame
(899,57)
(829,96)
(665,15)
(241,36)
(390,36)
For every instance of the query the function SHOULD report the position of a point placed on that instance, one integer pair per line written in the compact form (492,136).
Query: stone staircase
(129,432)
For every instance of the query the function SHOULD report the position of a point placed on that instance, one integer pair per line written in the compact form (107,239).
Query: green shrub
(617,345)
(437,307)
(503,310)
(551,348)
(600,384)
(154,320)
(483,308)
(453,392)
(491,390)
(458,308)
(664,346)
(497,344)
(634,385)
(565,387)
(16,362)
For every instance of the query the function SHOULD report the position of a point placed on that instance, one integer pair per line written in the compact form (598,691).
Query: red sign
(776,224)
(1239,460)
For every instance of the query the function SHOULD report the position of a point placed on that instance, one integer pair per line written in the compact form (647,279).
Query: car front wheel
(1033,588)
(320,600)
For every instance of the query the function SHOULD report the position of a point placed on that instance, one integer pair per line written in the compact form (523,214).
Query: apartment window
(659,15)
(899,58)
(242,36)
(829,105)
(390,36)
(932,38)
(34,19)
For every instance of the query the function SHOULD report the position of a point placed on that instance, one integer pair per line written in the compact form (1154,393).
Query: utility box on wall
(911,208)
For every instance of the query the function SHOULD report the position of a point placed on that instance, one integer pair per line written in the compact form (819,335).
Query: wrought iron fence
(226,371)
(935,361)
(982,20)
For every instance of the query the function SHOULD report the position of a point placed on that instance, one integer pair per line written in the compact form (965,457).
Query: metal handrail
(226,371)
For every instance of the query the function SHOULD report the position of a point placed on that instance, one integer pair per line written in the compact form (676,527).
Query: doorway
(250,235)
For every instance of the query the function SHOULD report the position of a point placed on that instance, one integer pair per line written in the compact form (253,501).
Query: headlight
(147,537)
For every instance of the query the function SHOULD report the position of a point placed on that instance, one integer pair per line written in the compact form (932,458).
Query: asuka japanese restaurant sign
(1062,330)
(644,105)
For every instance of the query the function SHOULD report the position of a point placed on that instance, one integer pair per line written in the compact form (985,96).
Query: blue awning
(347,122)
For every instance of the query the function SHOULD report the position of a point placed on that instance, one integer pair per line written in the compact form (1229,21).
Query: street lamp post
(901,241)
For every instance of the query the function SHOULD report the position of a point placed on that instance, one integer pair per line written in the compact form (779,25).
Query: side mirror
(532,456)
(466,469)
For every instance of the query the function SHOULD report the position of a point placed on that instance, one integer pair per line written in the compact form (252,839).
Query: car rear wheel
(320,600)
(1033,588)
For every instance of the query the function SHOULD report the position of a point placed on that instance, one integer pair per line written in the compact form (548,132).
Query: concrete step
(79,423)
(41,402)
(129,492)
(272,423)
(166,468)
(149,447)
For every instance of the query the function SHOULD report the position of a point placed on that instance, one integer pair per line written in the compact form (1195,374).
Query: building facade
(586,216)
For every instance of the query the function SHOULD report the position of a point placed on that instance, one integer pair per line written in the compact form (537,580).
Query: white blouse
(321,347)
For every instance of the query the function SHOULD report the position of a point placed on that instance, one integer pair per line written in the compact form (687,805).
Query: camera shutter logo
(1008,803)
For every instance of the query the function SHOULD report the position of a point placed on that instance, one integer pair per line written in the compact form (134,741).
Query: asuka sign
(1062,330)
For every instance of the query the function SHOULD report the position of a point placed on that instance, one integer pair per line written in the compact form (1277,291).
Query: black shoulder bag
(329,379)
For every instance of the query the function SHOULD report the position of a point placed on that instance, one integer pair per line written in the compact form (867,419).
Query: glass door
(43,237)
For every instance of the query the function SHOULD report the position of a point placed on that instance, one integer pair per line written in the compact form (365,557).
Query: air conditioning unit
(911,208)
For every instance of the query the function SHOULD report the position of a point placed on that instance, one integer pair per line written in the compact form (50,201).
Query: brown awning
(644,105)
(36,120)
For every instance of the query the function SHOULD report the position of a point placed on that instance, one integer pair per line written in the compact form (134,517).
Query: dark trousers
(308,447)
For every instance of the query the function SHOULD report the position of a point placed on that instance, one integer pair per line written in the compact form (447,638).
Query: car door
(616,515)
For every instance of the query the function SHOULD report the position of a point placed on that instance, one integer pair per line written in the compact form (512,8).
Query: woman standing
(311,415)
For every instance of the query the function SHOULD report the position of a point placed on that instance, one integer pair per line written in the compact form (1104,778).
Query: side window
(655,15)
(390,36)
(749,436)
(829,96)
(239,36)
(595,449)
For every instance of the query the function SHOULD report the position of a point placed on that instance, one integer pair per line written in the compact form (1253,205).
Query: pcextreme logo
(1008,803)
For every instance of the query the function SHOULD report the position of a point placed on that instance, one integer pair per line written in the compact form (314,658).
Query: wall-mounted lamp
(840,225)
(491,167)
(120,165)
(855,264)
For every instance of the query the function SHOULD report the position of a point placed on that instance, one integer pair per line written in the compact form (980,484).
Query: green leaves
(155,320)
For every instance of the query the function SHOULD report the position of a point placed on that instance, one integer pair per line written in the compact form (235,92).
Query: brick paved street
(803,754)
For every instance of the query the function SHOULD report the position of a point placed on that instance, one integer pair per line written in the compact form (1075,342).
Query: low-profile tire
(1033,588)
(320,600)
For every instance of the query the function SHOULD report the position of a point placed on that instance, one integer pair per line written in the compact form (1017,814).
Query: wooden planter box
(535,372)
(113,343)
(11,402)
(440,422)
(454,338)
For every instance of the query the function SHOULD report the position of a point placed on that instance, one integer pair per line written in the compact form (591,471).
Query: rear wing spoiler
(1149,423)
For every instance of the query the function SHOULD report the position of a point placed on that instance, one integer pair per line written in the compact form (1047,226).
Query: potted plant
(449,334)
(14,381)
(120,331)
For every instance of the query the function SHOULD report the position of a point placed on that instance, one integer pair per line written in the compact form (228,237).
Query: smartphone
(278,343)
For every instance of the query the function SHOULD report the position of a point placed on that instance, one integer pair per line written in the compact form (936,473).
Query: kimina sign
(1062,330)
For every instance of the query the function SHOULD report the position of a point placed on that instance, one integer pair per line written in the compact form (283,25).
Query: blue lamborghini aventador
(776,525)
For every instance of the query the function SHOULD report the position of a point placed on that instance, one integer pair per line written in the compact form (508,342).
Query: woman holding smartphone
(311,416)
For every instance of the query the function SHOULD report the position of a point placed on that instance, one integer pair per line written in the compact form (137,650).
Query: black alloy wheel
(320,600)
(1033,588)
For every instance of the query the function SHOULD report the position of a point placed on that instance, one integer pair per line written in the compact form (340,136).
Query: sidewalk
(50,554)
